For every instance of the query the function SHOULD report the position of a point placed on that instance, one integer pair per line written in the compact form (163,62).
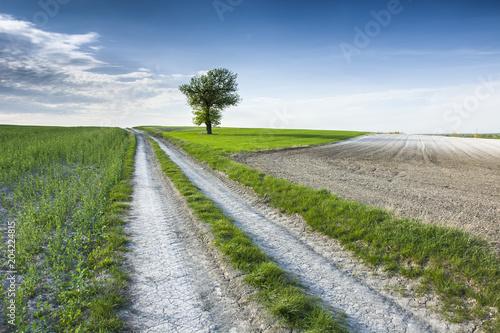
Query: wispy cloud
(266,100)
(55,73)
(439,109)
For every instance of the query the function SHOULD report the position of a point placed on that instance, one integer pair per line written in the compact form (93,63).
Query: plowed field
(444,180)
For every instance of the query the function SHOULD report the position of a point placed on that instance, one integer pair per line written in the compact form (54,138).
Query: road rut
(368,309)
(176,286)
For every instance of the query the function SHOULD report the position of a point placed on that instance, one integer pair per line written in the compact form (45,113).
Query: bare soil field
(443,180)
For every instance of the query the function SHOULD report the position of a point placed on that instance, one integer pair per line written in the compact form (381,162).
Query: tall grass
(60,187)
(463,270)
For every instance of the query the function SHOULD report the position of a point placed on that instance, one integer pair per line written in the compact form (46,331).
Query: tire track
(175,285)
(367,309)
(425,155)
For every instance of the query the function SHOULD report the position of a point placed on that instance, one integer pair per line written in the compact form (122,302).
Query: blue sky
(411,65)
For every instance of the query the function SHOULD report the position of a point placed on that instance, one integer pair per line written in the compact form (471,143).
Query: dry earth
(178,283)
(444,180)
(373,301)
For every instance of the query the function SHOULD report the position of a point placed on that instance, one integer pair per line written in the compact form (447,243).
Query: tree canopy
(210,94)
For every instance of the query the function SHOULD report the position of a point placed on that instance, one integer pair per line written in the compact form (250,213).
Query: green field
(60,205)
(234,140)
(461,269)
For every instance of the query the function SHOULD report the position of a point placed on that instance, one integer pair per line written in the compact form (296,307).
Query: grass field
(234,140)
(461,269)
(61,193)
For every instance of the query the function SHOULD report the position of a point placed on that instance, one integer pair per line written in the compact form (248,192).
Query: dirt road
(444,180)
(319,263)
(176,284)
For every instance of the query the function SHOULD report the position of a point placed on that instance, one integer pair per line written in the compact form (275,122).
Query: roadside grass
(63,188)
(281,294)
(234,140)
(463,270)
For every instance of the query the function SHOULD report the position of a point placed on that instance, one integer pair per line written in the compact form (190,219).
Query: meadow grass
(63,189)
(281,294)
(234,140)
(463,270)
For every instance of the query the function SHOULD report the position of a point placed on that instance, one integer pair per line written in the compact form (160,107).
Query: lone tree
(210,94)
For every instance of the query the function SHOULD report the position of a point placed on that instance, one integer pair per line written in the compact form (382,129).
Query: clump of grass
(460,268)
(284,296)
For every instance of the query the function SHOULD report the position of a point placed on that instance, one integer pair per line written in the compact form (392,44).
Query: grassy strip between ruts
(283,295)
(463,270)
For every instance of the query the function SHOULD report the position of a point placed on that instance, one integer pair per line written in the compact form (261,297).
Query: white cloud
(266,100)
(418,110)
(54,78)
(50,73)
(176,76)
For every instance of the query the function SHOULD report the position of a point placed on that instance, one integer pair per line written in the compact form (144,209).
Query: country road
(176,285)
(329,273)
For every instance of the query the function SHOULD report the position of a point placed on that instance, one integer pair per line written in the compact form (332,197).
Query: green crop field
(234,140)
(60,201)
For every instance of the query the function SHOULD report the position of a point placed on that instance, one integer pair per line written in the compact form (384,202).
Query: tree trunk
(209,128)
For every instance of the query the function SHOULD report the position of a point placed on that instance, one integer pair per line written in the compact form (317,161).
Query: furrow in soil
(442,180)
